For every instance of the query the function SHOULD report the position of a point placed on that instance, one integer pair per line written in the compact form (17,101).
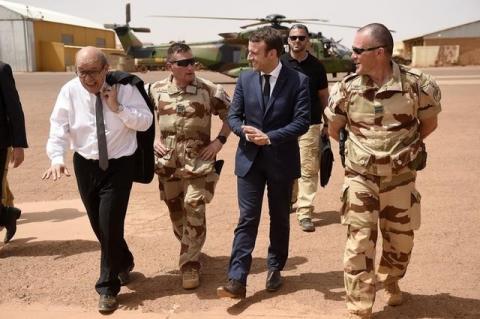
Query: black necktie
(266,91)
(102,139)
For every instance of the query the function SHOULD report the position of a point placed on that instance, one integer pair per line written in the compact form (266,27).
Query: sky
(409,18)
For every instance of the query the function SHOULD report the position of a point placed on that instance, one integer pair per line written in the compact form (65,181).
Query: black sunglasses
(299,37)
(184,63)
(361,50)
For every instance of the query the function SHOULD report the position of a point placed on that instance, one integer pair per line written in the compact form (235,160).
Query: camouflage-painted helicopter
(229,54)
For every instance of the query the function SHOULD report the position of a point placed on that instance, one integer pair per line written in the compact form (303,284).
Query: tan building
(459,45)
(34,39)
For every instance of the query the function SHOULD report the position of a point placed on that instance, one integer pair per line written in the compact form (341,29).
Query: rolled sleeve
(135,115)
(429,99)
(58,140)
(220,102)
(335,111)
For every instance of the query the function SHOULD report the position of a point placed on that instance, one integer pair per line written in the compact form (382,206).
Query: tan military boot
(190,278)
(360,315)
(393,294)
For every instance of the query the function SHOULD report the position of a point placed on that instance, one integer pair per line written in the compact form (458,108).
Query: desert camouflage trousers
(7,196)
(370,202)
(186,199)
(305,188)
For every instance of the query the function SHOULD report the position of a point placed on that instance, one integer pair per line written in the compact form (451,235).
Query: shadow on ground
(27,247)
(56,216)
(325,218)
(326,283)
(441,306)
(169,284)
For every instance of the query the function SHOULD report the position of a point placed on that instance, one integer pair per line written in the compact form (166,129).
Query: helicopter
(228,55)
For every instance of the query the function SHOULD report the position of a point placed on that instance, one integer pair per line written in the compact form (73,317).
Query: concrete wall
(438,55)
(469,48)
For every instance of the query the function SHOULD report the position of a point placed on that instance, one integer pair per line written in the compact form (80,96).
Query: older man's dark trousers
(3,161)
(105,195)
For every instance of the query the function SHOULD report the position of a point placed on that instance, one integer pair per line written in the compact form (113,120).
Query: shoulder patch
(430,87)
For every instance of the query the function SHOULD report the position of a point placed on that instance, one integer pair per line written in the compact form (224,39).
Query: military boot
(393,294)
(190,278)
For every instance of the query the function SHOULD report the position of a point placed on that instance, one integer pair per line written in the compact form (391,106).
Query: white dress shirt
(273,80)
(73,121)
(273,77)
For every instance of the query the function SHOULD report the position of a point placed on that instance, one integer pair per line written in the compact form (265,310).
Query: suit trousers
(3,161)
(250,189)
(7,196)
(105,195)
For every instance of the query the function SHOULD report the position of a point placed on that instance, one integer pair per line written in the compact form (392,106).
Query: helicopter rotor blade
(127,13)
(254,24)
(198,17)
(144,30)
(343,26)
(232,18)
(302,20)
(337,25)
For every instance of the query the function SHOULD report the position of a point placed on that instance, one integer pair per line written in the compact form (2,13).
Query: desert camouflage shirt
(184,120)
(383,121)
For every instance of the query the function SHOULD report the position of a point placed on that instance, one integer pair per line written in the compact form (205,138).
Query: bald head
(380,36)
(91,66)
(90,55)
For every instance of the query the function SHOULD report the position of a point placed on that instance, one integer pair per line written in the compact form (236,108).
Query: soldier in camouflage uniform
(185,152)
(388,110)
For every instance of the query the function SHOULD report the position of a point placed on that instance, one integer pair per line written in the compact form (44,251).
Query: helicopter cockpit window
(327,48)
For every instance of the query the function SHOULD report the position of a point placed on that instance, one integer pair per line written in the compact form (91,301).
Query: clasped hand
(254,135)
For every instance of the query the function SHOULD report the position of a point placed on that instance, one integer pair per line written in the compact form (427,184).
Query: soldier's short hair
(272,38)
(299,26)
(177,47)
(380,34)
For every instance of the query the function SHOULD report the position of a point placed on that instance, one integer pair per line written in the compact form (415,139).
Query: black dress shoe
(274,280)
(11,216)
(107,304)
(233,289)
(124,275)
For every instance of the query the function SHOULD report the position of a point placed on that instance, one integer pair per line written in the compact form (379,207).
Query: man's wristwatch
(222,139)
(120,108)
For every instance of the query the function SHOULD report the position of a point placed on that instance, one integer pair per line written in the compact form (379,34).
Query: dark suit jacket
(287,116)
(144,159)
(12,121)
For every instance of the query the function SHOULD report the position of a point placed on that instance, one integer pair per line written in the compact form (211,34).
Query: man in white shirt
(100,124)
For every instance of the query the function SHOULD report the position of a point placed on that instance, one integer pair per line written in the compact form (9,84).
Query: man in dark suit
(269,111)
(12,134)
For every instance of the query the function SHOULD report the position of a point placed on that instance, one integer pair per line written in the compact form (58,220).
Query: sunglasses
(361,50)
(299,37)
(185,63)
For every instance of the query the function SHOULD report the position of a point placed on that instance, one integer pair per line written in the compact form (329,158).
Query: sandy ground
(49,269)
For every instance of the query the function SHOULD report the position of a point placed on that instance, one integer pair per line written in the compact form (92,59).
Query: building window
(101,43)
(67,39)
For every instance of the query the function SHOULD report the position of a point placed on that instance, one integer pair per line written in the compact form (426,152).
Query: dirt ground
(49,269)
